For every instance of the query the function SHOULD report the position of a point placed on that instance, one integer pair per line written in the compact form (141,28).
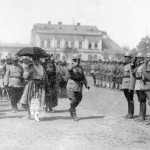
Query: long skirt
(51,95)
(15,94)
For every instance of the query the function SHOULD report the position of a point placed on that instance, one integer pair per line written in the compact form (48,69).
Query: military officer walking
(128,83)
(75,85)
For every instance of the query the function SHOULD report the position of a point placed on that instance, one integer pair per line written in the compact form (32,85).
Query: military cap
(75,57)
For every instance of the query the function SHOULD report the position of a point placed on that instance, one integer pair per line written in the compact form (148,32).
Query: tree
(144,45)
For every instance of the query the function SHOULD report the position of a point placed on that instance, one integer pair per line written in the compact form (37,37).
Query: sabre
(8,96)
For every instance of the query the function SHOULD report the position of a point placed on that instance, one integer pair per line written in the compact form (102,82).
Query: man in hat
(75,85)
(13,81)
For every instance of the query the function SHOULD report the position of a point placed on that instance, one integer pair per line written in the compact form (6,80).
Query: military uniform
(75,86)
(128,84)
(93,73)
(13,79)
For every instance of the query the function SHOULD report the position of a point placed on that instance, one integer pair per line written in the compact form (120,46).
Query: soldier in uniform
(128,83)
(75,85)
(93,73)
(13,81)
(137,67)
(146,78)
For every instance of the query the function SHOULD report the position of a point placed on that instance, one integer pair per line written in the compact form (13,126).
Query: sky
(125,21)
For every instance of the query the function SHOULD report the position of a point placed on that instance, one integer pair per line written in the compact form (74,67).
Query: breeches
(75,98)
(141,96)
(128,95)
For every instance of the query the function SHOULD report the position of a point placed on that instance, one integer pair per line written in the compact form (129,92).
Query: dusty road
(101,126)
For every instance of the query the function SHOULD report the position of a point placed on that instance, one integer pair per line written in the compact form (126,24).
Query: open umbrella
(32,52)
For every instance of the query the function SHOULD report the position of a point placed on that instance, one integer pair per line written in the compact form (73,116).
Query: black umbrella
(32,52)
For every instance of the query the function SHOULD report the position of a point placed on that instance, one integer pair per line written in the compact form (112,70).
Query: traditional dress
(51,86)
(35,87)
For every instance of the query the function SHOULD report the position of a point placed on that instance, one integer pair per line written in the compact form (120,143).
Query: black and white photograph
(74,75)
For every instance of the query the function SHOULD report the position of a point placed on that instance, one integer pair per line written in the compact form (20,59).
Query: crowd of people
(107,74)
(33,81)
(38,83)
(130,76)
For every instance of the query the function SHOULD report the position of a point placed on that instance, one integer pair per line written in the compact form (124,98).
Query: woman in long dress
(51,86)
(35,87)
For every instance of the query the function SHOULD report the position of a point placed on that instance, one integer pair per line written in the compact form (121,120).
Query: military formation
(107,74)
(132,75)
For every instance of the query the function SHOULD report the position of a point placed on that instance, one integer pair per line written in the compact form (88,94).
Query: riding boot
(140,113)
(75,115)
(143,112)
(131,110)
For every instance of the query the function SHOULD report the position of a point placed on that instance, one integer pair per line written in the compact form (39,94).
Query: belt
(139,78)
(15,77)
(126,77)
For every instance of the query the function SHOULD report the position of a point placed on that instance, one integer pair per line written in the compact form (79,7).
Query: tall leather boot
(140,113)
(131,110)
(71,110)
(15,107)
(143,112)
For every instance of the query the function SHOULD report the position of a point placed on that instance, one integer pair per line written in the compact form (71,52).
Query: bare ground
(101,126)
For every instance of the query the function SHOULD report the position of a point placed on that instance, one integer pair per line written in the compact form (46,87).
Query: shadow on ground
(5,117)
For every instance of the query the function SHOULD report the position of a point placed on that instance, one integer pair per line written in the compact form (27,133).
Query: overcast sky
(125,21)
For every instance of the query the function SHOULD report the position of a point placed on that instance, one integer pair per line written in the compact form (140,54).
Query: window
(58,44)
(49,44)
(72,44)
(42,43)
(80,45)
(95,45)
(90,45)
(66,43)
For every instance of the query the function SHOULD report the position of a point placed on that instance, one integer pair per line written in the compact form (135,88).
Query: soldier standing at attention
(128,83)
(137,67)
(75,85)
(146,78)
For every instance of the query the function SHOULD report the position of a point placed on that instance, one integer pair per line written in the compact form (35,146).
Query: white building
(65,40)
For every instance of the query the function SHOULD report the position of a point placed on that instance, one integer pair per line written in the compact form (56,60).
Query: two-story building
(65,40)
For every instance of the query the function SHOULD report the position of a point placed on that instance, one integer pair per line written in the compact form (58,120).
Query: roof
(14,45)
(111,47)
(67,29)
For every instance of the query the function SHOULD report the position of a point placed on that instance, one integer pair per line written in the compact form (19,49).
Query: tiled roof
(67,29)
(108,45)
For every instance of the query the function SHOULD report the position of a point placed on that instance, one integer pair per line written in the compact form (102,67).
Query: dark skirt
(15,93)
(51,95)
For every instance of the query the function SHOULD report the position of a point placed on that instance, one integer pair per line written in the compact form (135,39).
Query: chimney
(59,23)
(78,24)
(49,22)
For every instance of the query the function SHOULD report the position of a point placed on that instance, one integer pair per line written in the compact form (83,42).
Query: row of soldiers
(107,74)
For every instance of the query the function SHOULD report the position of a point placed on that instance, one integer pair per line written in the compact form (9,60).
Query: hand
(88,87)
(148,102)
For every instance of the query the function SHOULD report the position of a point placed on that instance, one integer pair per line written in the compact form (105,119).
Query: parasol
(32,52)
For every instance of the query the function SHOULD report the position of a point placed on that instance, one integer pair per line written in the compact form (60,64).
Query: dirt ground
(101,126)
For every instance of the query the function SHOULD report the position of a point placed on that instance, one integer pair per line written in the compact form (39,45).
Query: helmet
(15,58)
(147,55)
(8,58)
(141,55)
(128,54)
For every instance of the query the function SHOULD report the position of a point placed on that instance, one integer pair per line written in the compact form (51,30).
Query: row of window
(67,44)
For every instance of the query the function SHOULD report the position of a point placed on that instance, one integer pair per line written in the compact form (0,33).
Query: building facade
(66,40)
(10,49)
